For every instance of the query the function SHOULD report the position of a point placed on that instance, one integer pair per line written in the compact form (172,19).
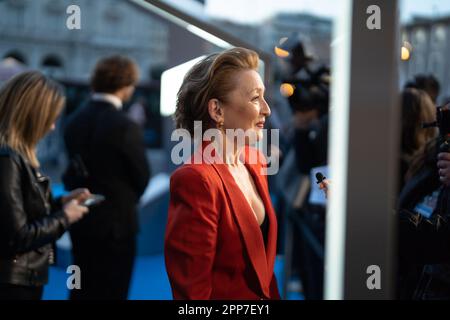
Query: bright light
(171,81)
(191,28)
(406,51)
(338,151)
(281,52)
(405,54)
(287,89)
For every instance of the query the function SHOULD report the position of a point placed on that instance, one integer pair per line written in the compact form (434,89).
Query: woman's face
(246,107)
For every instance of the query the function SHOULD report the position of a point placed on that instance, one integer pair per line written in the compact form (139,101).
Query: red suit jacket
(214,248)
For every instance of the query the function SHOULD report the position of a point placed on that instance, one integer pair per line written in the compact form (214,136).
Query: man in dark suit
(107,155)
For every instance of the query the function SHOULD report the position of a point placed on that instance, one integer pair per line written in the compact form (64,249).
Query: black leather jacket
(30,222)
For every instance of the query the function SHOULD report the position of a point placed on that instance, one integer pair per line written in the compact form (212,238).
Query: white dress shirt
(110,98)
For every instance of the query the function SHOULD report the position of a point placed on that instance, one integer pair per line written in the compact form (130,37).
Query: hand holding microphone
(444,167)
(323,183)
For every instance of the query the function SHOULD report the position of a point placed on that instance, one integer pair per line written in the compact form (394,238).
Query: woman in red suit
(221,234)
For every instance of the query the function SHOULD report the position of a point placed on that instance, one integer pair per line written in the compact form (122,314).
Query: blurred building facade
(430,44)
(35,33)
(315,32)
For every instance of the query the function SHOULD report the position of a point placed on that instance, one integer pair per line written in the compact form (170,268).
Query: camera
(311,86)
(309,94)
(443,123)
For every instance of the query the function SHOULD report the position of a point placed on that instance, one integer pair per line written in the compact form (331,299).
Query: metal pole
(364,143)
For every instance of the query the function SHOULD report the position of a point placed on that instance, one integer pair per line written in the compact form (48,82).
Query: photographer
(311,129)
(427,83)
(424,233)
(309,105)
(417,108)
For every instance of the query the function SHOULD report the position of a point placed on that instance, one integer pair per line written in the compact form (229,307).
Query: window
(53,66)
(16,55)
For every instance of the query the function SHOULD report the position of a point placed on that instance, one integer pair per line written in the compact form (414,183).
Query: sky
(253,11)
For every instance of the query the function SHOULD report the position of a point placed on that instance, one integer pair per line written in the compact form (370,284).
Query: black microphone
(320,177)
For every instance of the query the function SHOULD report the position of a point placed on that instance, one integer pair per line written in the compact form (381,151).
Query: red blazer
(214,248)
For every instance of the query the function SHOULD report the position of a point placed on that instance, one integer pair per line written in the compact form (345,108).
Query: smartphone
(93,200)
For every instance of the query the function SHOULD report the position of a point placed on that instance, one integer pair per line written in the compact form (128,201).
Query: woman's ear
(215,110)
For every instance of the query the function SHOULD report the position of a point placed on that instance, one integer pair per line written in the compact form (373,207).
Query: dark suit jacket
(214,248)
(312,152)
(112,149)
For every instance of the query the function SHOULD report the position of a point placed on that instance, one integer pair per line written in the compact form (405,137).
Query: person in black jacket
(424,241)
(417,108)
(30,219)
(107,154)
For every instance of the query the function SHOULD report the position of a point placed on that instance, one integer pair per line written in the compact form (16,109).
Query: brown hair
(30,103)
(114,73)
(417,108)
(210,78)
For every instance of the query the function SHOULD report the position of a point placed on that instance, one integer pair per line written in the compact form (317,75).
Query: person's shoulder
(79,115)
(118,119)
(104,110)
(8,153)
(10,157)
(193,173)
(112,119)
(128,123)
(196,180)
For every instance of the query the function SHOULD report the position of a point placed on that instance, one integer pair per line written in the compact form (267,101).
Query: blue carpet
(149,281)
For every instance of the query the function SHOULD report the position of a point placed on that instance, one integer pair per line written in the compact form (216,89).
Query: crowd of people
(222,230)
(107,157)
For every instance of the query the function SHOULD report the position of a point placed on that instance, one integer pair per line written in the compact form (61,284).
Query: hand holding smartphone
(93,200)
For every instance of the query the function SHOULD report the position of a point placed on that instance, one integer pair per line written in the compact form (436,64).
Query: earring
(219,125)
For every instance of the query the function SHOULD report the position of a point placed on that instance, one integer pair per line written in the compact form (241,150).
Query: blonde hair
(30,103)
(210,78)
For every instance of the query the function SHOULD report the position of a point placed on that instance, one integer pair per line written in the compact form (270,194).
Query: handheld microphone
(320,177)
